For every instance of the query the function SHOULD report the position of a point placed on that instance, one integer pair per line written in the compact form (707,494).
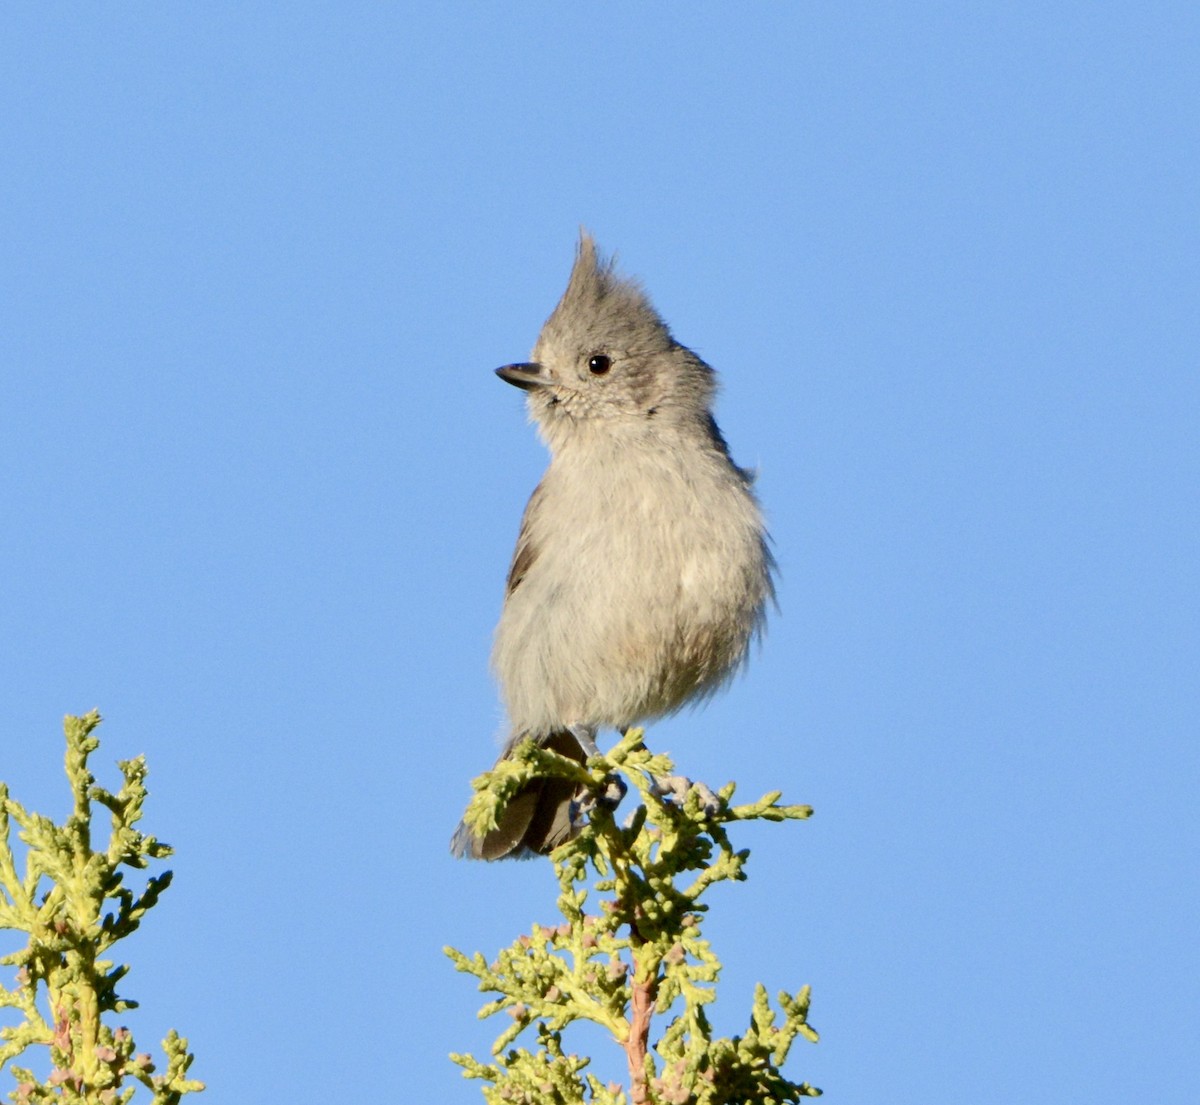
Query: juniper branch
(630,948)
(72,906)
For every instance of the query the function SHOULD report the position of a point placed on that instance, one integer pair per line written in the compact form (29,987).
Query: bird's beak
(524,376)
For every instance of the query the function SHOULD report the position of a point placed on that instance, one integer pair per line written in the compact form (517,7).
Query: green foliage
(73,905)
(635,953)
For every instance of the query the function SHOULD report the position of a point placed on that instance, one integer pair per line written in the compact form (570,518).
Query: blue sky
(260,490)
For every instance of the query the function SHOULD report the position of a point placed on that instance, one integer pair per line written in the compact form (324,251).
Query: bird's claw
(675,788)
(614,789)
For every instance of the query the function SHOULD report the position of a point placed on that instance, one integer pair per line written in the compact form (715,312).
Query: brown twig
(641,1008)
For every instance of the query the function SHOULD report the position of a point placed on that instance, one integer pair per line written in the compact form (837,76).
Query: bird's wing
(526,551)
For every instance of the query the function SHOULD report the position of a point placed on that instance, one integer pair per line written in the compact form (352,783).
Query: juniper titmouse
(642,571)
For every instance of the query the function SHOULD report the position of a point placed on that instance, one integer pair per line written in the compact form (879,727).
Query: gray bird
(642,571)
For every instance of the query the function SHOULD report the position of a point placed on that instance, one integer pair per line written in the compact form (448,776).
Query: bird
(643,570)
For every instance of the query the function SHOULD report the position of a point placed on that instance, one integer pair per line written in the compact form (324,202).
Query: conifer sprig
(630,948)
(72,906)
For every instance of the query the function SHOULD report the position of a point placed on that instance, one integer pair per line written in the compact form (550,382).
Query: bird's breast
(648,582)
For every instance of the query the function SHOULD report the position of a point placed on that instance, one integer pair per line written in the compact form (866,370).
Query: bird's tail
(536,821)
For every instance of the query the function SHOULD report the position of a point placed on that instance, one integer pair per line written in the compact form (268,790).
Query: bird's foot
(585,803)
(614,786)
(614,789)
(675,788)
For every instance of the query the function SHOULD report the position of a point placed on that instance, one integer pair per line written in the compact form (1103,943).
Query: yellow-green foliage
(72,905)
(630,948)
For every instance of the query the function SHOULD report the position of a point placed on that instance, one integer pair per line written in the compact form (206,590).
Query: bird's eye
(599,364)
